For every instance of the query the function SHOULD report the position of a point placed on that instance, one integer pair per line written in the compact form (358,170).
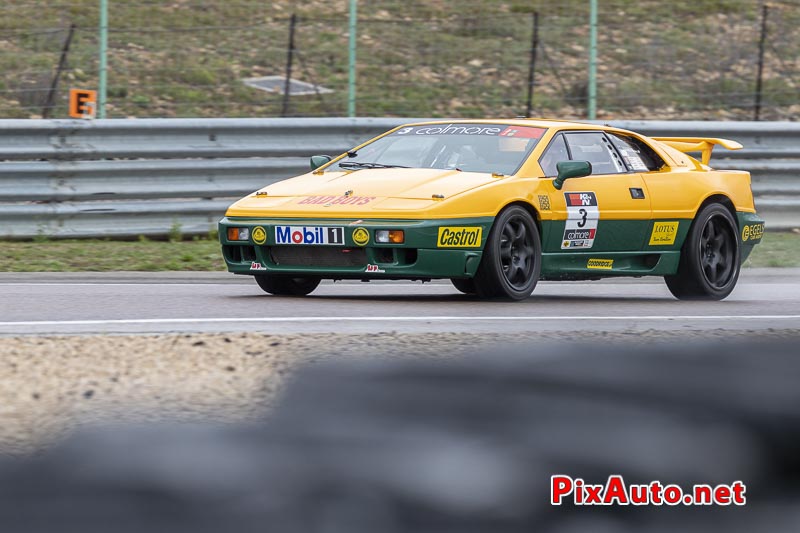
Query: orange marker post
(82,103)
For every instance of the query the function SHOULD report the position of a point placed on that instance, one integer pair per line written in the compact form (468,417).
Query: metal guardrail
(123,178)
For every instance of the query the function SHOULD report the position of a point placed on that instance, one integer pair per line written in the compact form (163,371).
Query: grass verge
(776,250)
(107,256)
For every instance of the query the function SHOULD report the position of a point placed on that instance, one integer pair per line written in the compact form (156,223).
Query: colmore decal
(450,129)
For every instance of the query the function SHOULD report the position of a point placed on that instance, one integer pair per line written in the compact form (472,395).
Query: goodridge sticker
(664,233)
(308,235)
(459,237)
(582,216)
(752,232)
(602,264)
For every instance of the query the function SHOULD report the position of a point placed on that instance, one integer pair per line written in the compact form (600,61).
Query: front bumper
(328,248)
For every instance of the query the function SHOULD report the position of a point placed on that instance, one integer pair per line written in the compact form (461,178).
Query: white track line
(389,319)
(121,284)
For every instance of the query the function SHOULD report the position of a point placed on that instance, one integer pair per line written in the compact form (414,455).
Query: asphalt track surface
(133,303)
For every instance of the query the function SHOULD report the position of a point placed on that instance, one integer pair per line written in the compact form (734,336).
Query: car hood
(362,192)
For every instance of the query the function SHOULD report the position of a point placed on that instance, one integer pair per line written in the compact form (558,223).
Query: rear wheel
(512,257)
(467,286)
(710,262)
(287,285)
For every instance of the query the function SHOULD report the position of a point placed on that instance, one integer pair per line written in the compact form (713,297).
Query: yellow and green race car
(497,205)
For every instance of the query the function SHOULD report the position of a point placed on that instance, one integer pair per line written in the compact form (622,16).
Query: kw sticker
(259,235)
(374,269)
(602,264)
(582,217)
(459,237)
(255,265)
(664,233)
(360,236)
(752,232)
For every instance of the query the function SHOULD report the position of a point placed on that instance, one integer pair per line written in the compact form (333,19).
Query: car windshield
(469,147)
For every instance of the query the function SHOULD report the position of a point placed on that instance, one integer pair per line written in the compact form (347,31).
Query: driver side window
(555,153)
(595,148)
(591,146)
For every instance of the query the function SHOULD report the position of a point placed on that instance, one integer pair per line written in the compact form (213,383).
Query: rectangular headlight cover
(238,234)
(390,236)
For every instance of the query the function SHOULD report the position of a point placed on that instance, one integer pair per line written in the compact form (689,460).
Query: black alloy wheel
(287,285)
(465,285)
(710,257)
(512,257)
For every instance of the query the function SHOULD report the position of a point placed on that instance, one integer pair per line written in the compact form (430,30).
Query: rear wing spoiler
(704,145)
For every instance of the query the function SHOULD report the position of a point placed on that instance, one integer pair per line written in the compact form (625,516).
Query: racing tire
(710,259)
(512,257)
(287,285)
(465,285)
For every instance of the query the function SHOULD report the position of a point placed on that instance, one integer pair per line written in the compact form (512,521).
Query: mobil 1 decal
(582,217)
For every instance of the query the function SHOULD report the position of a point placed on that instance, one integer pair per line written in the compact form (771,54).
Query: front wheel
(512,257)
(286,285)
(465,285)
(710,261)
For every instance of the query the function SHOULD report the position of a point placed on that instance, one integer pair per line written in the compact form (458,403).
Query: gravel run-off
(51,385)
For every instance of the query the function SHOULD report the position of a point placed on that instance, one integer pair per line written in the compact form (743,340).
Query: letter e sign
(82,103)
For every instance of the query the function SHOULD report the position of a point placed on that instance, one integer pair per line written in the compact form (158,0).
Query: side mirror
(571,169)
(319,160)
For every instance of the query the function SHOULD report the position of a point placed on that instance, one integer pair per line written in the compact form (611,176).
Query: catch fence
(722,60)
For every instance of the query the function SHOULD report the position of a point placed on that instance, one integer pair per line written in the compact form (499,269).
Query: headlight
(238,234)
(390,236)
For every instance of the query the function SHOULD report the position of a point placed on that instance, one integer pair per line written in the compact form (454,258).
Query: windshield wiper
(360,164)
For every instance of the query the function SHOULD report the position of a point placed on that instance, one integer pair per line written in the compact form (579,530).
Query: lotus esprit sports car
(497,205)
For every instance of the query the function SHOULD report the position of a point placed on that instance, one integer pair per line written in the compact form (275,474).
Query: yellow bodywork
(698,144)
(675,191)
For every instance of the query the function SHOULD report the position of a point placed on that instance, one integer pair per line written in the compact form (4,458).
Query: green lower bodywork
(748,220)
(417,258)
(620,248)
(623,243)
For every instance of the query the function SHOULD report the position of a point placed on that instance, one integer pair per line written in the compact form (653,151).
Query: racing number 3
(583,214)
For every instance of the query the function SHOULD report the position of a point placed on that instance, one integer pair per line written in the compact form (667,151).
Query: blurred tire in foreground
(464,445)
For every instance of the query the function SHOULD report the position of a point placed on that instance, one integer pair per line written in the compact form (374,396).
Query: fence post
(532,66)
(592,111)
(760,75)
(101,89)
(287,84)
(51,96)
(351,85)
